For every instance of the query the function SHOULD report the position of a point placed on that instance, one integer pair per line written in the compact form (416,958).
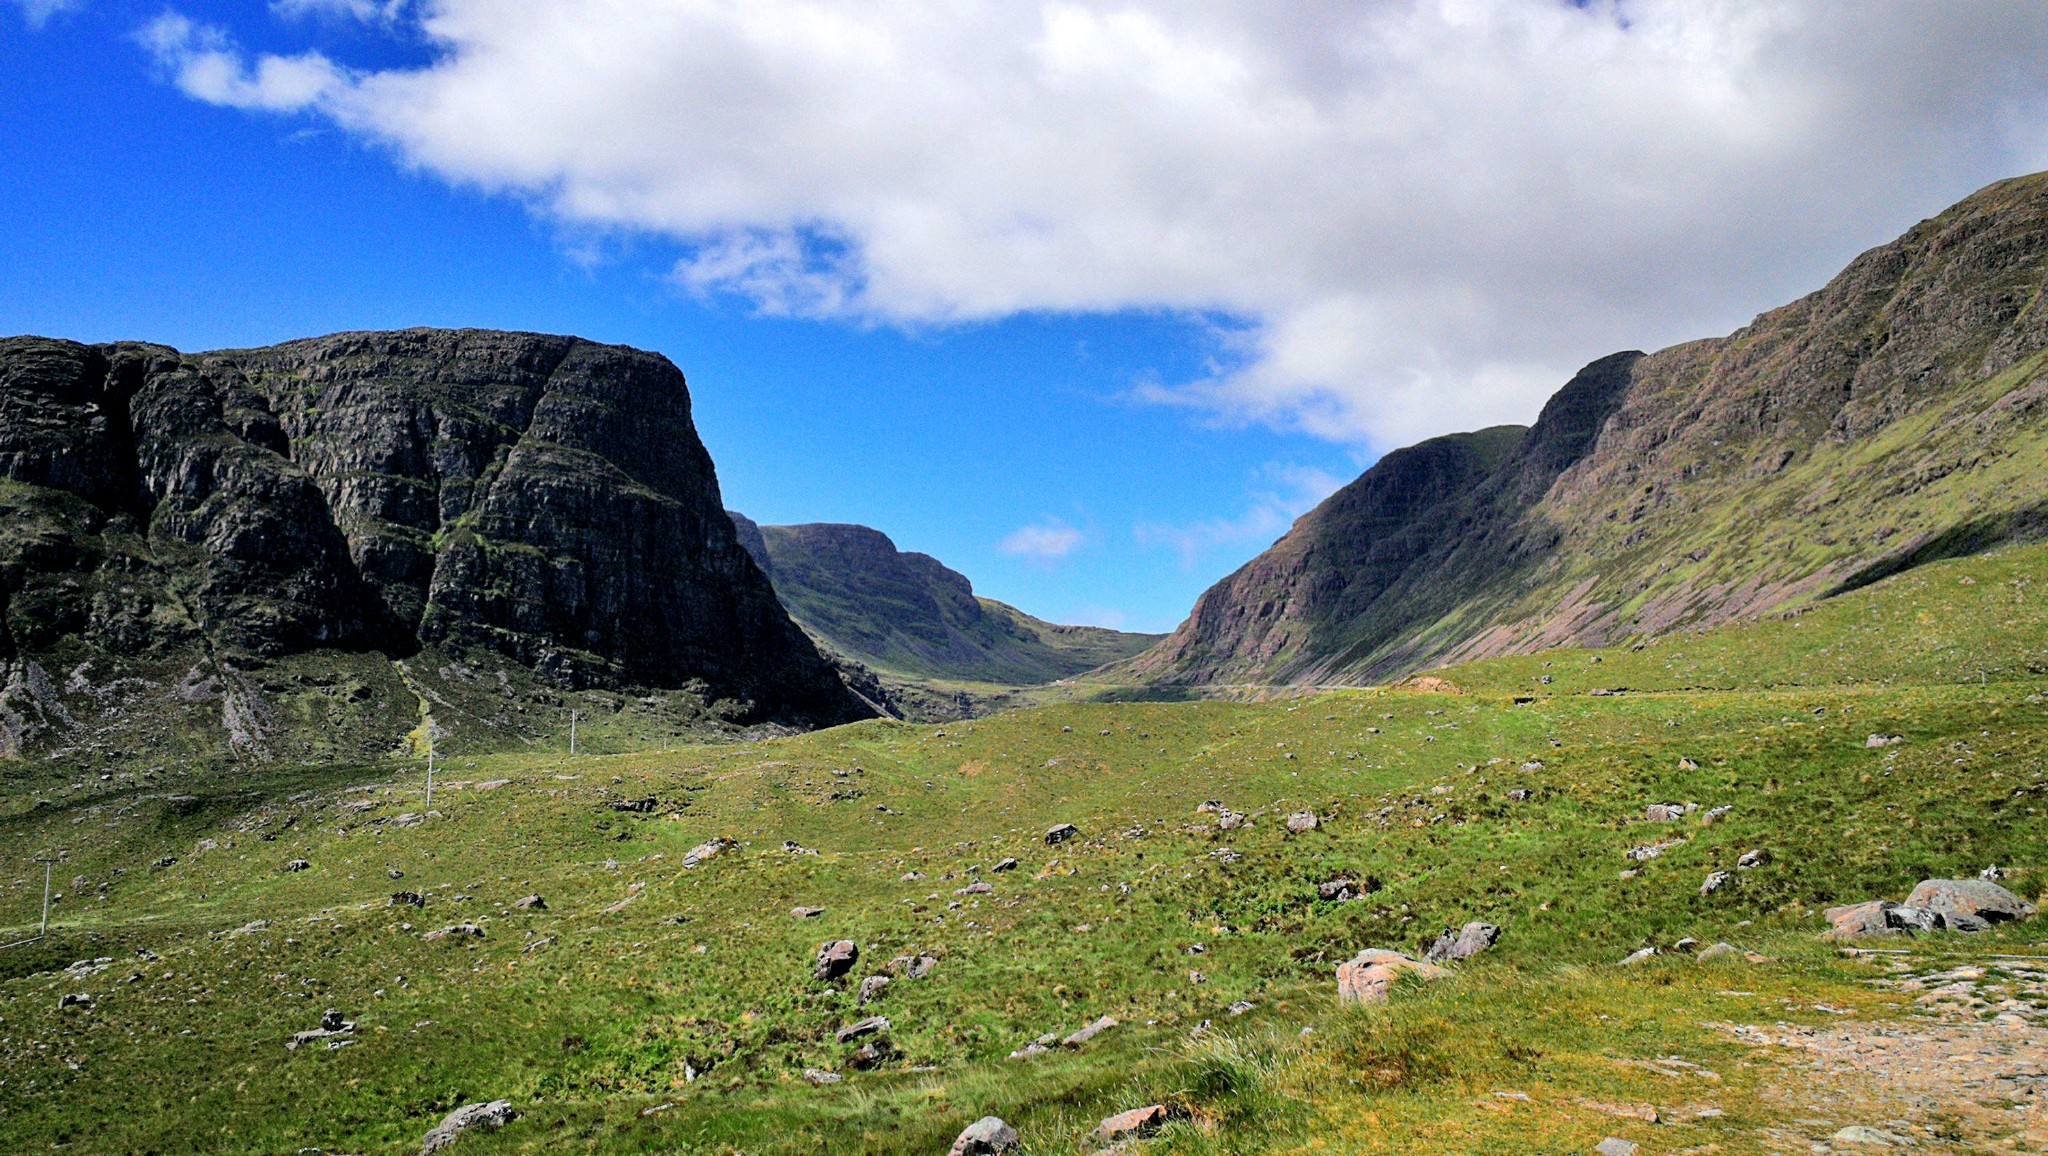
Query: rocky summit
(1891,419)
(485,504)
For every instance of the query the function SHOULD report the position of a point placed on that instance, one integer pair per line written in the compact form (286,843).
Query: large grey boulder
(988,1136)
(1969,904)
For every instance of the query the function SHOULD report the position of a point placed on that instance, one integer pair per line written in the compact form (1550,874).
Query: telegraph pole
(49,865)
(430,766)
(572,734)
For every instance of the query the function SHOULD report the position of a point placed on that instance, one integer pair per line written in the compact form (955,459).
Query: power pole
(49,865)
(430,767)
(572,734)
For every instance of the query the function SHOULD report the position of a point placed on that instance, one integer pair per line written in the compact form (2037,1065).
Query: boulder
(1061,833)
(1750,860)
(1337,890)
(297,865)
(1135,1124)
(1007,864)
(1969,898)
(1615,1146)
(987,1136)
(862,1029)
(1719,951)
(495,1114)
(1464,943)
(531,903)
(820,1077)
(703,852)
(1664,812)
(1714,882)
(1368,975)
(871,988)
(835,959)
(1716,815)
(1090,1032)
(456,930)
(1302,822)
(75,999)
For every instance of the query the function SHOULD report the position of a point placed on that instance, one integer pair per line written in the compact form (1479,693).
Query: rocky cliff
(1897,416)
(503,498)
(906,614)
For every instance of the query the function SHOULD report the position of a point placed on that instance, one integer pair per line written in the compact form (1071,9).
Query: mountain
(1895,417)
(486,508)
(906,614)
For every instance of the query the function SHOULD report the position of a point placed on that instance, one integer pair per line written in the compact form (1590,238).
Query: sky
(1087,299)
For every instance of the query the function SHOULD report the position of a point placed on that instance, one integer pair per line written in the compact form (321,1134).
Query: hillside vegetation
(657,1006)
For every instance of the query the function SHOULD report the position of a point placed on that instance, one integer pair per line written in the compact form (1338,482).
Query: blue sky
(1091,344)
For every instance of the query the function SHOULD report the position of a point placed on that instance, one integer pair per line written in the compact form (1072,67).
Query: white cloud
(1284,493)
(1046,542)
(38,12)
(205,65)
(1428,212)
(367,11)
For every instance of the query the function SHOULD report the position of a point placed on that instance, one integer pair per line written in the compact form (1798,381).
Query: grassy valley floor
(652,1006)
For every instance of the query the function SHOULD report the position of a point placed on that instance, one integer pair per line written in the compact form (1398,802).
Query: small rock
(805,912)
(1465,943)
(1876,741)
(75,999)
(1716,815)
(987,1136)
(1367,977)
(1752,859)
(1615,1146)
(1302,822)
(1992,873)
(1688,765)
(835,959)
(861,1029)
(458,930)
(1714,882)
(1664,812)
(1061,833)
(296,865)
(495,1114)
(871,988)
(644,806)
(531,903)
(1718,951)
(1875,1137)
(1007,864)
(976,888)
(1337,890)
(408,899)
(1088,1033)
(1637,957)
(1685,944)
(704,852)
(162,863)
(821,1078)
(869,1055)
(1519,795)
(1135,1124)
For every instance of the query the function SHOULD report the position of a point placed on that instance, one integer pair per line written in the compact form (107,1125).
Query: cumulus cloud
(38,12)
(205,64)
(1047,541)
(368,11)
(1283,493)
(1424,213)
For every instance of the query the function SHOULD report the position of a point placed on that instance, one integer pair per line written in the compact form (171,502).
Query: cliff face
(1897,416)
(542,500)
(906,614)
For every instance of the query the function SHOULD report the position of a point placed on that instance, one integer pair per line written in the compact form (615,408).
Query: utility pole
(49,865)
(430,767)
(572,734)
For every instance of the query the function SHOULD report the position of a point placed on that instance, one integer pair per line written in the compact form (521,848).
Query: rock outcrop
(530,499)
(1890,419)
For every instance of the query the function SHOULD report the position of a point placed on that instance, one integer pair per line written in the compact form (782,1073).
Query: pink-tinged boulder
(1859,920)
(1366,978)
(1959,901)
(836,959)
(1135,1124)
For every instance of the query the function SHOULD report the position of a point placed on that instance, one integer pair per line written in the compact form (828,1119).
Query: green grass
(705,971)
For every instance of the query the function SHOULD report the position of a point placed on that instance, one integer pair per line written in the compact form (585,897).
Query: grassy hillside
(657,1007)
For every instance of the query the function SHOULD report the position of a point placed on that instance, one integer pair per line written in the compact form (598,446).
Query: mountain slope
(906,614)
(1892,418)
(513,500)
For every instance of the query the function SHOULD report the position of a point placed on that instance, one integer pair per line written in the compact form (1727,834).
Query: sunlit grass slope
(653,1007)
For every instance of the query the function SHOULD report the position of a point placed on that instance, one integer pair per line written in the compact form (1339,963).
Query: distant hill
(906,614)
(1896,417)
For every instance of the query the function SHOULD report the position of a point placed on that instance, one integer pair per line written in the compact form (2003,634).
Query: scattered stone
(1956,899)
(987,1136)
(408,899)
(861,1029)
(976,888)
(1636,957)
(913,876)
(1688,765)
(491,1116)
(394,872)
(805,912)
(1718,951)
(1518,795)
(821,1078)
(75,999)
(1752,859)
(1088,1033)
(914,967)
(1302,822)
(1615,1146)
(1061,833)
(871,988)
(1337,891)
(1649,851)
(1037,1047)
(1464,943)
(1225,855)
(1368,975)
(1229,820)
(164,862)
(707,851)
(1876,741)
(1992,873)
(835,959)
(1007,864)
(1878,1137)
(296,865)
(1135,1124)
(531,903)
(1240,1007)
(1664,812)
(644,806)
(1686,943)
(1716,815)
(1715,881)
(459,930)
